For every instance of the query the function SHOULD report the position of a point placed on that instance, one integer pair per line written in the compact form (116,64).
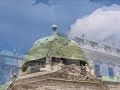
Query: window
(97,68)
(110,70)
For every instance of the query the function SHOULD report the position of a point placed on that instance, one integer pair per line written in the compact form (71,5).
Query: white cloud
(103,24)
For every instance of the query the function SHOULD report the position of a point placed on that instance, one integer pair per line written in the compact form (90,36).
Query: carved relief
(72,73)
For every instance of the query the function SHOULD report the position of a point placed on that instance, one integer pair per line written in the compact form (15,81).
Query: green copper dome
(56,46)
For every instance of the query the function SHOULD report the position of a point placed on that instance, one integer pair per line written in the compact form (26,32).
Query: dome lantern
(54,29)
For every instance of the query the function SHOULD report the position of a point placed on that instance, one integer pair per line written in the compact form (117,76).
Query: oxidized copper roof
(56,46)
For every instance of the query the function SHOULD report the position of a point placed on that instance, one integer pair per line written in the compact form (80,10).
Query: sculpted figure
(87,67)
(60,65)
(19,67)
(48,63)
(11,74)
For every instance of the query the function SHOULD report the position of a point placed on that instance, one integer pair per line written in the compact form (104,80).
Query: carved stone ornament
(72,72)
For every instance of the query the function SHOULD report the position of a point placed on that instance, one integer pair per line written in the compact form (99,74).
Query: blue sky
(21,23)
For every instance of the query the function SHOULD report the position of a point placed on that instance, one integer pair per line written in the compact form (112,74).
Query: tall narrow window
(110,70)
(97,68)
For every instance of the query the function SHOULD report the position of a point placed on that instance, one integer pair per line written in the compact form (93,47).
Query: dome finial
(54,29)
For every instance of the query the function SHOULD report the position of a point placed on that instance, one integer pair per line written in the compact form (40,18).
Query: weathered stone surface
(68,78)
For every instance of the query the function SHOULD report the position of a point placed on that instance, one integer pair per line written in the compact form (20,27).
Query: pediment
(69,75)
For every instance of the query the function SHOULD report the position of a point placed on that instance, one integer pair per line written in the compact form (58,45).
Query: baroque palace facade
(104,57)
(58,63)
